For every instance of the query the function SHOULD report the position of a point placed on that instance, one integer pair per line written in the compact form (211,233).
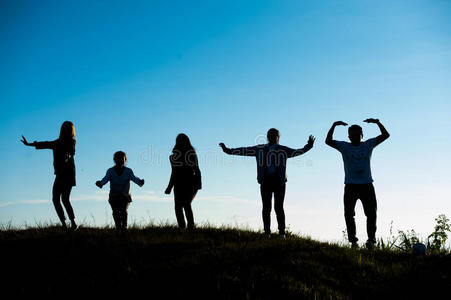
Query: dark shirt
(63,158)
(185,171)
(266,157)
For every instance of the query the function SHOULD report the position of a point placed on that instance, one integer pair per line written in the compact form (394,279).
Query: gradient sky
(131,75)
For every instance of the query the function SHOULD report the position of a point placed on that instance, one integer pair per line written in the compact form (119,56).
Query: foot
(354,245)
(267,236)
(73,225)
(282,236)
(370,244)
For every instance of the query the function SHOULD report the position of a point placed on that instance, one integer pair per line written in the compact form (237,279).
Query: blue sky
(132,75)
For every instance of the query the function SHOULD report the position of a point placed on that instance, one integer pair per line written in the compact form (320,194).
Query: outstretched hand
(141,183)
(371,120)
(311,140)
(223,146)
(24,141)
(338,123)
(99,184)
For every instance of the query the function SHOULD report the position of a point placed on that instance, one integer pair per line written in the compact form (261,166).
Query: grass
(164,262)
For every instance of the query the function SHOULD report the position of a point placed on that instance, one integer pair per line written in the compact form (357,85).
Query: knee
(349,214)
(279,209)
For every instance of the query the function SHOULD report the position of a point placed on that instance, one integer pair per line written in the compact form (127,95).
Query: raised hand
(311,140)
(223,146)
(371,120)
(338,123)
(24,141)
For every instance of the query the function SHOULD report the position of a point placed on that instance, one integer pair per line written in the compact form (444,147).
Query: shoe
(354,245)
(282,236)
(267,236)
(73,226)
(370,244)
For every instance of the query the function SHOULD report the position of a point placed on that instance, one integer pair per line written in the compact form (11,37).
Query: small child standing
(119,177)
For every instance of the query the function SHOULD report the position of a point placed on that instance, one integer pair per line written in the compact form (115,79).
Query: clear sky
(131,75)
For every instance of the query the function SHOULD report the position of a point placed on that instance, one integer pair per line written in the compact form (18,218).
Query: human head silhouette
(120,158)
(355,134)
(67,130)
(273,136)
(182,143)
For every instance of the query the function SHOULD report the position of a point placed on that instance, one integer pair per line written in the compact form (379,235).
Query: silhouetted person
(119,177)
(271,174)
(185,178)
(358,180)
(63,163)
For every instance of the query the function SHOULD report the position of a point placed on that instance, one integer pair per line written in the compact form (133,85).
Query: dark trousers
(271,186)
(183,196)
(61,193)
(366,194)
(119,205)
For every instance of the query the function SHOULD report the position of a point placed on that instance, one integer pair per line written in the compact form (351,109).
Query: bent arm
(329,139)
(384,133)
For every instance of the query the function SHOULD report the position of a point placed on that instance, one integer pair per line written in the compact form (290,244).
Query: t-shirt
(120,185)
(271,161)
(356,160)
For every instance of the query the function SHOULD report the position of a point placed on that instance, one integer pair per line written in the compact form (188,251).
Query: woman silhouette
(63,162)
(185,178)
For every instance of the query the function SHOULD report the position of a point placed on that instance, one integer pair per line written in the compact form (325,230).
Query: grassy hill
(165,263)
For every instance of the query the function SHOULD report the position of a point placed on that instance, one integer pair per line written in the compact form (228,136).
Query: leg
(124,214)
(266,193)
(65,196)
(188,210)
(279,196)
(56,195)
(178,201)
(368,197)
(116,213)
(350,200)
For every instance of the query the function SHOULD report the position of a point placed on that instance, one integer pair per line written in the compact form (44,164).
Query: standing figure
(271,174)
(63,163)
(358,180)
(119,177)
(185,178)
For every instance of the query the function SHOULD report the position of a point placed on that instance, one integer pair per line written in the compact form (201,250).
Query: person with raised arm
(271,174)
(185,179)
(120,198)
(63,162)
(358,180)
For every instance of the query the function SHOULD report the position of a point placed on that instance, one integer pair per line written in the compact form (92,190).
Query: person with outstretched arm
(271,174)
(120,198)
(63,162)
(358,180)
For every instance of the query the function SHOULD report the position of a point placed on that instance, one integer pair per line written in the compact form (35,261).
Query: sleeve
(372,143)
(243,151)
(340,145)
(45,145)
(106,178)
(133,177)
(296,152)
